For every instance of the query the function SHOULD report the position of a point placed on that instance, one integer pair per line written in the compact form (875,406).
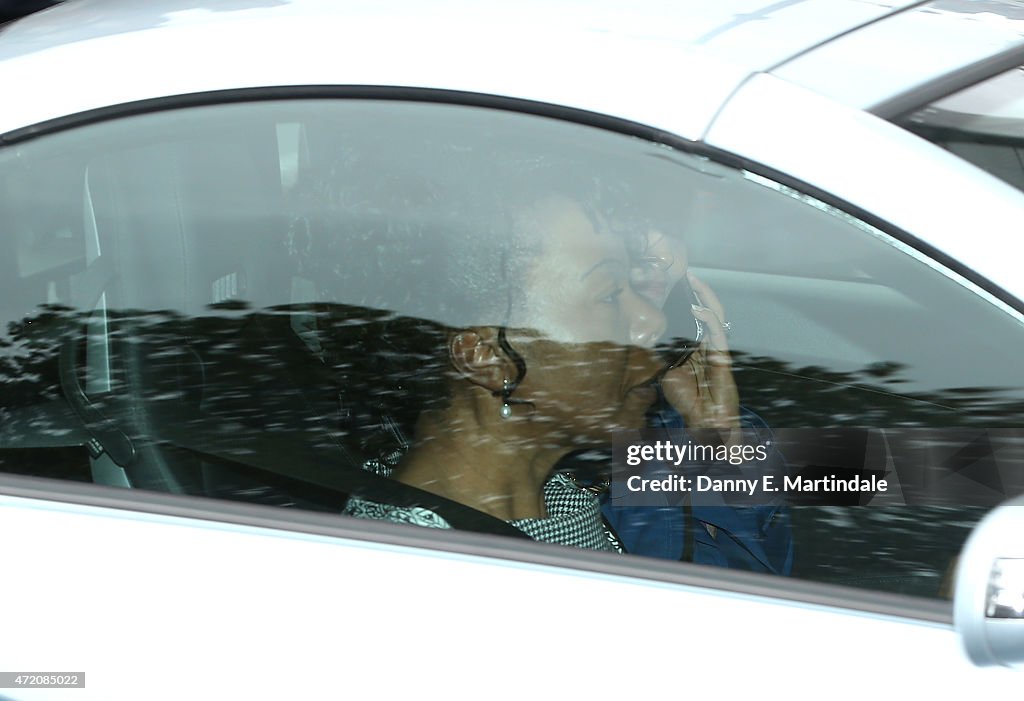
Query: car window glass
(449,315)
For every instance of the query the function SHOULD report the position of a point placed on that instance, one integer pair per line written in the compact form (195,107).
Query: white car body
(166,597)
(211,608)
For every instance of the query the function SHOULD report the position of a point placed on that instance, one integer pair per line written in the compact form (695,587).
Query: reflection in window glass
(983,124)
(446,316)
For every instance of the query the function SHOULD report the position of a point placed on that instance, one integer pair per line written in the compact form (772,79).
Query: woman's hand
(702,389)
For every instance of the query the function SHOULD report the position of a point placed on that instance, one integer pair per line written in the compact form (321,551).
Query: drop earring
(509,386)
(506,392)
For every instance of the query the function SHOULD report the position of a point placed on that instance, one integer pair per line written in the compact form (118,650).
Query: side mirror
(988,603)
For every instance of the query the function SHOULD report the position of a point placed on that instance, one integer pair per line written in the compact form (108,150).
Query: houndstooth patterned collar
(574,518)
(574,514)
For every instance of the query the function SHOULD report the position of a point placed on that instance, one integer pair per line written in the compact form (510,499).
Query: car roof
(914,57)
(757,33)
(736,27)
(667,64)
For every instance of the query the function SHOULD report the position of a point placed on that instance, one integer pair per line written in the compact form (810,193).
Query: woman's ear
(477,356)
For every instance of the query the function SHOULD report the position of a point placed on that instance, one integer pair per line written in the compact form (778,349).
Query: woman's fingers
(716,346)
(706,295)
(703,389)
(682,388)
(705,394)
(712,315)
(725,396)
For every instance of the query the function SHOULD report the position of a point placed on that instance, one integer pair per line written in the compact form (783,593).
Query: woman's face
(589,338)
(660,265)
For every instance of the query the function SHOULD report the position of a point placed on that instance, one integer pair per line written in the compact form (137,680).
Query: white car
(226,225)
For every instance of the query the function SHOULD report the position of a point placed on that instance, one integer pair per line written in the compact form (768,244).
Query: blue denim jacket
(754,538)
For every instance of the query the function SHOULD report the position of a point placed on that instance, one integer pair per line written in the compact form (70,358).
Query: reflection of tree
(29,380)
(255,374)
(352,350)
(906,549)
(816,397)
(28,357)
(898,548)
(233,372)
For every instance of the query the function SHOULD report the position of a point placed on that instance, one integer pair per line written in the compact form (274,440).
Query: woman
(568,362)
(511,336)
